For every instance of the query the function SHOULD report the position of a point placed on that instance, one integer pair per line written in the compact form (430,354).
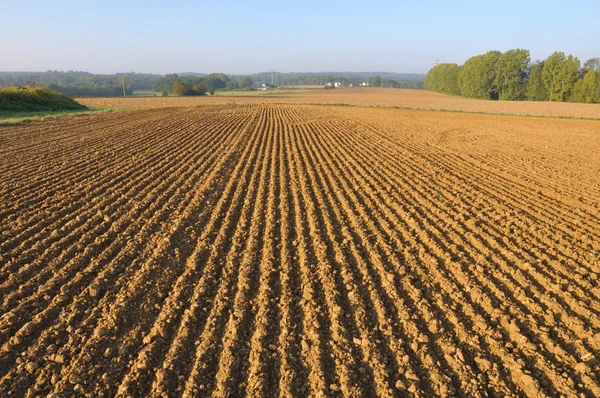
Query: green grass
(9,118)
(146,93)
(28,104)
(33,99)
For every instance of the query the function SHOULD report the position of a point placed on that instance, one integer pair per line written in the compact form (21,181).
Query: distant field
(411,99)
(306,87)
(261,246)
(149,93)
(146,93)
(259,92)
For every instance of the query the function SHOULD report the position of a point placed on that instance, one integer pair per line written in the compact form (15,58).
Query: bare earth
(379,97)
(256,248)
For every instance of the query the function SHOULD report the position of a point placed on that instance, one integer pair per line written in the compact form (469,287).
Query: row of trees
(138,81)
(87,84)
(91,90)
(211,82)
(76,84)
(378,81)
(512,76)
(180,88)
(346,78)
(219,81)
(216,81)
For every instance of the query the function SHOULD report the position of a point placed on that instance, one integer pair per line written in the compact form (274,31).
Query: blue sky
(309,36)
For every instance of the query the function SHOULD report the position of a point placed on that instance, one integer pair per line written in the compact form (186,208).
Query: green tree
(560,74)
(536,90)
(585,88)
(245,82)
(511,73)
(597,88)
(180,88)
(477,77)
(593,63)
(215,81)
(200,89)
(165,83)
(375,81)
(443,78)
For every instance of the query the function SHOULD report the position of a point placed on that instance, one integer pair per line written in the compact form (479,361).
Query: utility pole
(437,61)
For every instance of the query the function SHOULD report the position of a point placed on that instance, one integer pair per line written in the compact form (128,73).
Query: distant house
(338,84)
(365,84)
(351,85)
(266,87)
(328,84)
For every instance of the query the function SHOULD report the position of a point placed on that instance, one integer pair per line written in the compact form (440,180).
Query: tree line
(81,84)
(138,81)
(91,90)
(512,76)
(85,84)
(210,83)
(378,81)
(386,79)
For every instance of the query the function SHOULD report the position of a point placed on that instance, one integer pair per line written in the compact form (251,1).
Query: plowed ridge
(294,250)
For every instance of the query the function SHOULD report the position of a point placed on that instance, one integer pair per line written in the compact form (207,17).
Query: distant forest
(84,84)
(512,76)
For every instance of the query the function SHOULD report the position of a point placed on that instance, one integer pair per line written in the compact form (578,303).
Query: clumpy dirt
(294,250)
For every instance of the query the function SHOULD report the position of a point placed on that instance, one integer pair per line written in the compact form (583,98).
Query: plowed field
(377,97)
(297,250)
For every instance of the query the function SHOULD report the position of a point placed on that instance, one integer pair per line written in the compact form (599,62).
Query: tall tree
(592,63)
(443,78)
(32,81)
(560,74)
(375,81)
(536,90)
(180,88)
(477,77)
(244,82)
(597,88)
(585,88)
(123,81)
(165,83)
(511,74)
(200,89)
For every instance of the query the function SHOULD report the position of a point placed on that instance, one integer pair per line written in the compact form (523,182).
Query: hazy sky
(302,36)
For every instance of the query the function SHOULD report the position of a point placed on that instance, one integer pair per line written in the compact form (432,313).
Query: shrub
(180,88)
(199,89)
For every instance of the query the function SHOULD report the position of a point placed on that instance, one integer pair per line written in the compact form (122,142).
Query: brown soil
(295,250)
(379,97)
